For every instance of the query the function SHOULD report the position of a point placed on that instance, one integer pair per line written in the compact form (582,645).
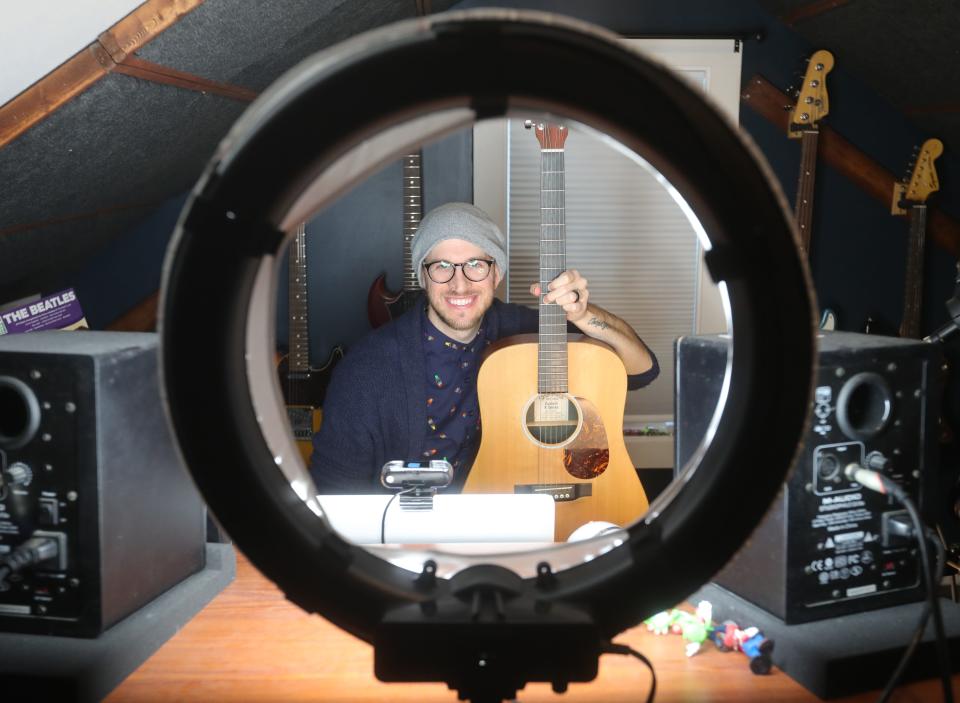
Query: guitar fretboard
(412,214)
(552,347)
(298,336)
(805,184)
(913,285)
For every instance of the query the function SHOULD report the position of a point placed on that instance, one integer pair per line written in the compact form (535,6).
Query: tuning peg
(528,124)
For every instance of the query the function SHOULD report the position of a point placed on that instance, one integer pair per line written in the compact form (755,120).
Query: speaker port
(864,405)
(19,413)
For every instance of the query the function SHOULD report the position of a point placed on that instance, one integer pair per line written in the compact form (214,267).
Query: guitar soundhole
(552,419)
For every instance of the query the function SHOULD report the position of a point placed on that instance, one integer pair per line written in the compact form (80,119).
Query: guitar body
(303,393)
(383,305)
(590,475)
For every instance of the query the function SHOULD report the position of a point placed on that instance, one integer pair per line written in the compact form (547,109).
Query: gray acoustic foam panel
(125,145)
(38,260)
(257,42)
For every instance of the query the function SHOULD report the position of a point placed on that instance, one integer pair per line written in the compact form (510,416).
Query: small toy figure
(758,649)
(729,637)
(659,623)
(693,627)
(725,636)
(697,628)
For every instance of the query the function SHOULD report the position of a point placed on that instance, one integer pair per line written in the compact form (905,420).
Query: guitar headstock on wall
(812,101)
(550,136)
(922,181)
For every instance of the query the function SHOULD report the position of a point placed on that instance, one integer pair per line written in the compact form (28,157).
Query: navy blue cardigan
(375,408)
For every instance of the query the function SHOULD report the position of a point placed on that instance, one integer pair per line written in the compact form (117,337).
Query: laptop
(455,518)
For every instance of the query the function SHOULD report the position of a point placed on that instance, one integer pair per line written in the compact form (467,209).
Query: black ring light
(490,630)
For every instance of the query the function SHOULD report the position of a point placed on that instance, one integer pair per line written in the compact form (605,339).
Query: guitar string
(552,174)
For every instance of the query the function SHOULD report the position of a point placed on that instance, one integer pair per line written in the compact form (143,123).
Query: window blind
(625,232)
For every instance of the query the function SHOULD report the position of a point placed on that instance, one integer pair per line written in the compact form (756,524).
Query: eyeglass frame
(490,262)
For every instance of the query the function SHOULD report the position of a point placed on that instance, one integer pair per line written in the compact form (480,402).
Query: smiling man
(408,389)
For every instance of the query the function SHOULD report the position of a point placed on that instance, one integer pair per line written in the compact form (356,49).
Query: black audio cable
(615,648)
(383,518)
(921,627)
(35,550)
(876,481)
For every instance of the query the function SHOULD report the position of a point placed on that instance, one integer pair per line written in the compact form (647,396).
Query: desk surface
(251,644)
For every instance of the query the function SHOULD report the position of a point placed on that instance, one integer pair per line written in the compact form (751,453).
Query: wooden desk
(251,644)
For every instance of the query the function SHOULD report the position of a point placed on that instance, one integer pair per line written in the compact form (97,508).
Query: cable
(876,481)
(614,648)
(921,628)
(383,520)
(35,550)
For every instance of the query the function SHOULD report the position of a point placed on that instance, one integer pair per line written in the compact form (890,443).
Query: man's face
(458,306)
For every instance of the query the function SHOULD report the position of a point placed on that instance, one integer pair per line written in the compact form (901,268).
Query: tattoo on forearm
(597,322)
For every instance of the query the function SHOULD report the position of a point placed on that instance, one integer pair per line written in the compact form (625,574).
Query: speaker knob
(877,462)
(18,474)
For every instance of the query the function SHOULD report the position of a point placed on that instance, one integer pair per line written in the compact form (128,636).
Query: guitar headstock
(813,103)
(923,180)
(550,136)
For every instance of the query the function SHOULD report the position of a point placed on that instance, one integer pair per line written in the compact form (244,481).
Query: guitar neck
(298,336)
(412,214)
(552,345)
(805,184)
(913,284)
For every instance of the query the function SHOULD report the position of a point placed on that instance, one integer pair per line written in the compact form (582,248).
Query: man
(408,389)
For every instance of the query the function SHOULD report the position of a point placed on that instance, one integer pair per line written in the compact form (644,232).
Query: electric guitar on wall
(910,198)
(303,387)
(552,411)
(382,305)
(812,105)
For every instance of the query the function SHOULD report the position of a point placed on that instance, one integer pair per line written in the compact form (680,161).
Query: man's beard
(454,323)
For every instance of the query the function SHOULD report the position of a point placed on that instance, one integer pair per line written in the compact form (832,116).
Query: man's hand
(569,291)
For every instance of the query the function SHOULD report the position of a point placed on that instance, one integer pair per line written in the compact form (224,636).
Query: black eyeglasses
(474,269)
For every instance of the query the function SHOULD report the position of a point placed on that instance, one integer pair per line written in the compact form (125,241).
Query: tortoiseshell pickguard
(588,455)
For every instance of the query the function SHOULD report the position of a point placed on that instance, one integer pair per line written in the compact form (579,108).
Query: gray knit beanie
(458,221)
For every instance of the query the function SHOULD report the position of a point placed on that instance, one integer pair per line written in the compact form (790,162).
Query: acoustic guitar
(303,386)
(552,409)
(383,305)
(812,105)
(910,198)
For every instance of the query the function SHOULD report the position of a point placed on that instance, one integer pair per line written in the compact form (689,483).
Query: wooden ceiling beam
(142,317)
(73,217)
(769,102)
(932,109)
(148,71)
(810,10)
(88,66)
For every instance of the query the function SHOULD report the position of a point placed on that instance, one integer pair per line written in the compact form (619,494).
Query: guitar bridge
(560,492)
(301,422)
